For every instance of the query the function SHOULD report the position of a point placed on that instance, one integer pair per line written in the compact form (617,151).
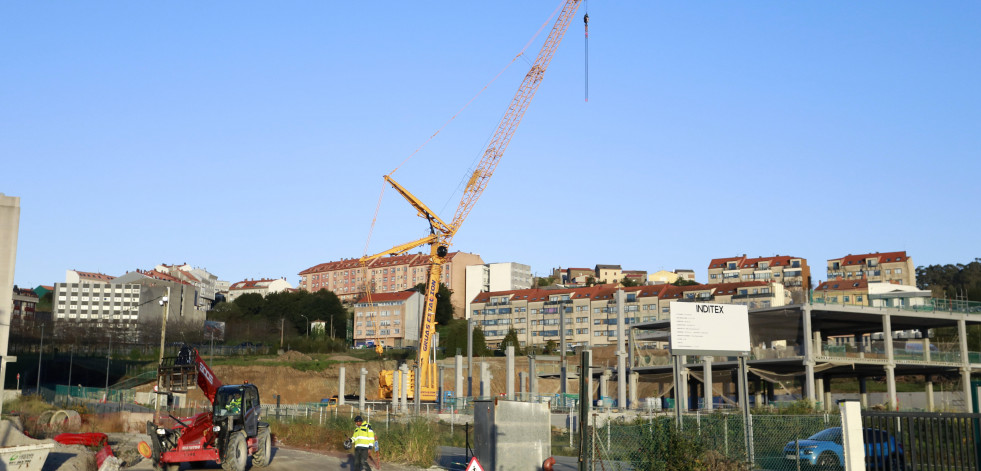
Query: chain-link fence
(712,441)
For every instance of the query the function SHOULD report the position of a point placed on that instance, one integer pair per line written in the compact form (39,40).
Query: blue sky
(250,138)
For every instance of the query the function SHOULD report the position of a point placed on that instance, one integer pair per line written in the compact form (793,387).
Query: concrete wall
(9,228)
(511,435)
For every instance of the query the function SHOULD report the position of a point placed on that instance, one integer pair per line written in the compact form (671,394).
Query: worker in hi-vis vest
(363,441)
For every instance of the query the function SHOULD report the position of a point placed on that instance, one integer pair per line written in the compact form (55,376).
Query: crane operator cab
(237,407)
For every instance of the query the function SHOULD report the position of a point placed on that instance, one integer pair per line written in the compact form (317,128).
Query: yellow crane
(441,233)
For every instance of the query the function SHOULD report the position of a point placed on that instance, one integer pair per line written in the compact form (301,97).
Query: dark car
(825,450)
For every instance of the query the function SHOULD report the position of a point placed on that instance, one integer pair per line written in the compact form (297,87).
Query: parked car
(825,450)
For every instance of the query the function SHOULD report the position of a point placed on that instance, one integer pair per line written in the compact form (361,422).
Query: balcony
(752,295)
(564,301)
(498,303)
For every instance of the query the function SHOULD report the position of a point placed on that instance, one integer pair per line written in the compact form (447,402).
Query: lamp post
(39,353)
(308,324)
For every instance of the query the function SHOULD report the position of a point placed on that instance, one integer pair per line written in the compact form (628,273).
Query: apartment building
(861,292)
(25,304)
(591,312)
(791,272)
(665,277)
(388,319)
(91,305)
(888,267)
(601,274)
(262,287)
(349,280)
(208,285)
(495,277)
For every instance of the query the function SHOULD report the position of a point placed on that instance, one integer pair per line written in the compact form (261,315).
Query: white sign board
(709,329)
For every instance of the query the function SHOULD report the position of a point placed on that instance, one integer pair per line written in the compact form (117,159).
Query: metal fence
(704,441)
(921,441)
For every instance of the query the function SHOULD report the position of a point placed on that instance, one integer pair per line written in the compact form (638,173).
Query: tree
(548,281)
(511,339)
(444,307)
(683,282)
(551,346)
(629,282)
(453,339)
(250,304)
(590,281)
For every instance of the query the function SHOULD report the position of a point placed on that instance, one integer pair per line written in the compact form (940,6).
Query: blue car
(824,450)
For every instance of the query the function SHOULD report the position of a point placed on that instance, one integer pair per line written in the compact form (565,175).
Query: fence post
(852,439)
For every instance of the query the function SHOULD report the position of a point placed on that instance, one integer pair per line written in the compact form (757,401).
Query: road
(455,459)
(286,459)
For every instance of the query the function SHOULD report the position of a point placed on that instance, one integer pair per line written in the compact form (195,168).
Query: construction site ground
(274,377)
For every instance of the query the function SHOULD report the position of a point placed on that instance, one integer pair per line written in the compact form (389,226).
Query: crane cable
(585,20)
(374,218)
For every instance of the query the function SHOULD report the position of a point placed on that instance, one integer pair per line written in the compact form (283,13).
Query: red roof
(843,285)
(721,262)
(417,259)
(158,275)
(885,257)
(249,284)
(94,276)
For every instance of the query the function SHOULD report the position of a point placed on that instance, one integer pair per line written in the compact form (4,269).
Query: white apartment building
(389,319)
(505,276)
(260,287)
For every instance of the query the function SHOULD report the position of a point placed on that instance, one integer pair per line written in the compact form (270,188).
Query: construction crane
(441,233)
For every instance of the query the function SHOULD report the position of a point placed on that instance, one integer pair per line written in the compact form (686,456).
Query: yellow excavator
(441,233)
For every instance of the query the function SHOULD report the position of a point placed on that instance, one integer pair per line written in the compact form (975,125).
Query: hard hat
(357,418)
(347,444)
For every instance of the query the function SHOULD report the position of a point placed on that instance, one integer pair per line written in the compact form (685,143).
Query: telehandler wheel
(263,452)
(236,453)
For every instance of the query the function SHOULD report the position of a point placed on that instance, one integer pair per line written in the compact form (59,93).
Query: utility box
(511,435)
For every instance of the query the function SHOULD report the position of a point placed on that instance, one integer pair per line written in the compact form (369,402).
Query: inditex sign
(709,329)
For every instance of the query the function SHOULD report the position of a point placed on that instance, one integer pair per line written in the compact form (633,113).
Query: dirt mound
(293,355)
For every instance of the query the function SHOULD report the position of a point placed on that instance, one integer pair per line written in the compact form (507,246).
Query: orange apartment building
(888,267)
(348,279)
(792,272)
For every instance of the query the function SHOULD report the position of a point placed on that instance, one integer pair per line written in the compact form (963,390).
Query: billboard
(709,329)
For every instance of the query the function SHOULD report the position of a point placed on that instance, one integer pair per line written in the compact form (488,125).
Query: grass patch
(414,442)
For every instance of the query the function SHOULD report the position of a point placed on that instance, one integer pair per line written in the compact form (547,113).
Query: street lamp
(39,354)
(308,324)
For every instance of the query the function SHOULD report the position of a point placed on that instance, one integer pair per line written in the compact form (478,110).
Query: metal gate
(927,441)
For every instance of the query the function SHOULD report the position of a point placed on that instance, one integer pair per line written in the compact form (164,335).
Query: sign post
(718,330)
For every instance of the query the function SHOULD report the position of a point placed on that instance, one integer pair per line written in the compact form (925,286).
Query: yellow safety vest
(364,436)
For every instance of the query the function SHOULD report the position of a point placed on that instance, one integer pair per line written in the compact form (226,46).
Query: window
(899,271)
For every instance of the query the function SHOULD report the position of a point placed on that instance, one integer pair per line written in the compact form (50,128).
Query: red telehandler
(227,434)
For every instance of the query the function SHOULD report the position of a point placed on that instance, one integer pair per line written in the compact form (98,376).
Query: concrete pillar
(890,361)
(929,393)
(634,402)
(486,379)
(891,387)
(396,389)
(707,385)
(819,390)
(685,377)
(926,349)
(759,392)
(9,229)
(340,386)
(818,347)
(604,386)
(522,377)
(827,395)
(966,365)
(533,379)
(771,394)
(405,386)
(458,378)
(857,341)
(863,391)
(484,385)
(621,353)
(364,373)
(509,379)
(808,354)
